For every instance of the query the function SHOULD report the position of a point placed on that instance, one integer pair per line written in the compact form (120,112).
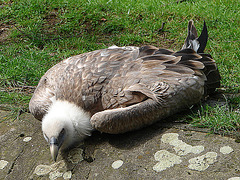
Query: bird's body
(120,89)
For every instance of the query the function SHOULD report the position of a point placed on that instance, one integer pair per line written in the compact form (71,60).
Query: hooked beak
(56,143)
(54,148)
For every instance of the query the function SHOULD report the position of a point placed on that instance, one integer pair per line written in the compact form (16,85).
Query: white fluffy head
(74,120)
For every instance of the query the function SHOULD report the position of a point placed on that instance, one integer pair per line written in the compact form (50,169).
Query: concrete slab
(155,152)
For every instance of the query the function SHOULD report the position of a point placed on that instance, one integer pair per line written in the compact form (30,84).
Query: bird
(121,89)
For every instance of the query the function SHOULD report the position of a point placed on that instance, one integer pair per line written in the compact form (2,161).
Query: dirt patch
(4,32)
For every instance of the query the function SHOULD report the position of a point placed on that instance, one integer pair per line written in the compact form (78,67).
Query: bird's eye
(62,134)
(61,137)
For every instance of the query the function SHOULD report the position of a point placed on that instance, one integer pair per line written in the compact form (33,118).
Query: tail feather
(198,44)
(194,42)
(202,39)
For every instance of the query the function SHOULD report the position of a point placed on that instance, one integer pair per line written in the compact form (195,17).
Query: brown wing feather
(135,80)
(164,84)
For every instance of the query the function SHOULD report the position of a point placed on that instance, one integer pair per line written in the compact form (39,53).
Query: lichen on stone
(3,164)
(168,137)
(75,155)
(201,163)
(226,149)
(54,175)
(117,164)
(234,178)
(180,147)
(53,170)
(58,165)
(27,139)
(166,160)
(42,170)
(67,175)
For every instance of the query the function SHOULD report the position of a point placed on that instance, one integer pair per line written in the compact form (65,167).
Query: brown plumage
(126,88)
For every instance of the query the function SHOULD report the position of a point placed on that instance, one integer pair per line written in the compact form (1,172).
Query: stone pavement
(154,152)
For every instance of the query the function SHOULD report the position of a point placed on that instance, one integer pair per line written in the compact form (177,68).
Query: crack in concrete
(14,161)
(88,174)
(19,154)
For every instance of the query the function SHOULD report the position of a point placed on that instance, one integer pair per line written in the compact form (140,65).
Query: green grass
(36,34)
(219,119)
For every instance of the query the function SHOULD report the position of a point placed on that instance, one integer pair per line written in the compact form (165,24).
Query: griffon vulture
(121,89)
